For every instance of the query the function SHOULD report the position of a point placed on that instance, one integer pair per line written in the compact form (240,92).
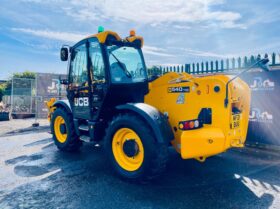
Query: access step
(84,128)
(85,138)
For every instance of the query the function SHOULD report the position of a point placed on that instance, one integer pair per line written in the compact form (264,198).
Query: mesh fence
(26,97)
(22,99)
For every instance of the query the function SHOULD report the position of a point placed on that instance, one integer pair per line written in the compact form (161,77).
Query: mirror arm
(261,61)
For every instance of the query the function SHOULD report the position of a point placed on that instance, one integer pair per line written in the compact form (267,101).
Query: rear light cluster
(190,124)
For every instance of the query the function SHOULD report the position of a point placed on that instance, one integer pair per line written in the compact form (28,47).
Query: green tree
(154,70)
(25,74)
(2,90)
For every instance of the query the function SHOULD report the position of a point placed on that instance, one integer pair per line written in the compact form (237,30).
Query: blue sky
(175,32)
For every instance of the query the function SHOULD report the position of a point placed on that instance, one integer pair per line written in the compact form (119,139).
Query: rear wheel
(133,149)
(63,131)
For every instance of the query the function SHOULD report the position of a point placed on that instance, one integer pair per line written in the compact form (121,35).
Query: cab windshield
(126,64)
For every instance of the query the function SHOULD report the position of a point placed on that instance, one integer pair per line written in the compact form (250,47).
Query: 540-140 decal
(179,89)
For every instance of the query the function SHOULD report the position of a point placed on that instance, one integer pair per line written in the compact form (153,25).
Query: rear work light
(190,124)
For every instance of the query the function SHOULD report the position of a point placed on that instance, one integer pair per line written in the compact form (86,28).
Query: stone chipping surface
(34,174)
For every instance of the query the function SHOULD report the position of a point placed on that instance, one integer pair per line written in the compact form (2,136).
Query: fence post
(217,66)
(227,63)
(202,67)
(239,62)
(212,66)
(233,63)
(252,59)
(36,123)
(222,65)
(273,58)
(12,95)
(193,68)
(245,62)
(187,68)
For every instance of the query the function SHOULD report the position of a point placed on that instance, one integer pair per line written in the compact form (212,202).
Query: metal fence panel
(48,86)
(22,97)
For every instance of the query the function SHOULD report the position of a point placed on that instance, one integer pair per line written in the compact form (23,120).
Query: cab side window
(78,66)
(97,64)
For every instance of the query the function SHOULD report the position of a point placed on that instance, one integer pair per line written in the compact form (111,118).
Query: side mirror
(64,82)
(64,54)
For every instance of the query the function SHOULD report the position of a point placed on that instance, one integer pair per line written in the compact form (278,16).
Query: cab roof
(103,36)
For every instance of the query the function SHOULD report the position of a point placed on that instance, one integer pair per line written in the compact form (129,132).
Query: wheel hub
(130,148)
(62,128)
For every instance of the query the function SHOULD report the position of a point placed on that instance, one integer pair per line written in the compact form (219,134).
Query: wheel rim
(61,137)
(120,138)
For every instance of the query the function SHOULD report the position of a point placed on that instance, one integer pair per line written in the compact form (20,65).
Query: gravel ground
(21,125)
(34,174)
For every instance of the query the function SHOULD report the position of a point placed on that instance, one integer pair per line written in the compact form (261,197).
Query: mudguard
(63,103)
(66,105)
(156,120)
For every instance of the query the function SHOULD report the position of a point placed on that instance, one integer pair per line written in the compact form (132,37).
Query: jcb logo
(81,101)
(261,84)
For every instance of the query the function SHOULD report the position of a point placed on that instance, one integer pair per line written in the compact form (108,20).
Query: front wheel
(133,149)
(63,131)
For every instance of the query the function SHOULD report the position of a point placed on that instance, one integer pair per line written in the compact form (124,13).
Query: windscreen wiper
(127,73)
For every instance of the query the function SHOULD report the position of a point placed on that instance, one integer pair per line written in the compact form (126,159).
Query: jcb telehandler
(111,101)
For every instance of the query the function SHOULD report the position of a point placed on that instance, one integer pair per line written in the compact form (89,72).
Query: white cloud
(183,27)
(151,50)
(75,37)
(61,36)
(206,54)
(153,12)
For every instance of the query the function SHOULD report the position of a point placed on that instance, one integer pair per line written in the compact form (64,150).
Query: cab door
(79,85)
(97,77)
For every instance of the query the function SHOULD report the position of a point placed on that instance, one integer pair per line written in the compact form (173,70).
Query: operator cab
(104,71)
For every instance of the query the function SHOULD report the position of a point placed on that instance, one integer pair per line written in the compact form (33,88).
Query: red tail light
(190,124)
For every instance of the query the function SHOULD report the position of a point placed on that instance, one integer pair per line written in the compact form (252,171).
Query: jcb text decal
(81,101)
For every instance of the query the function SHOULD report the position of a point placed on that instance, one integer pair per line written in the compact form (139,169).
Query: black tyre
(63,131)
(133,150)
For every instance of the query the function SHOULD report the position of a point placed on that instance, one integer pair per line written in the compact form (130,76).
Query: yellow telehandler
(111,101)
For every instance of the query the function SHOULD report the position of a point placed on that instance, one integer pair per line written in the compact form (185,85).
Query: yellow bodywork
(50,107)
(211,139)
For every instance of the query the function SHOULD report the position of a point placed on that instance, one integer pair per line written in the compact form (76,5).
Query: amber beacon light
(132,33)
